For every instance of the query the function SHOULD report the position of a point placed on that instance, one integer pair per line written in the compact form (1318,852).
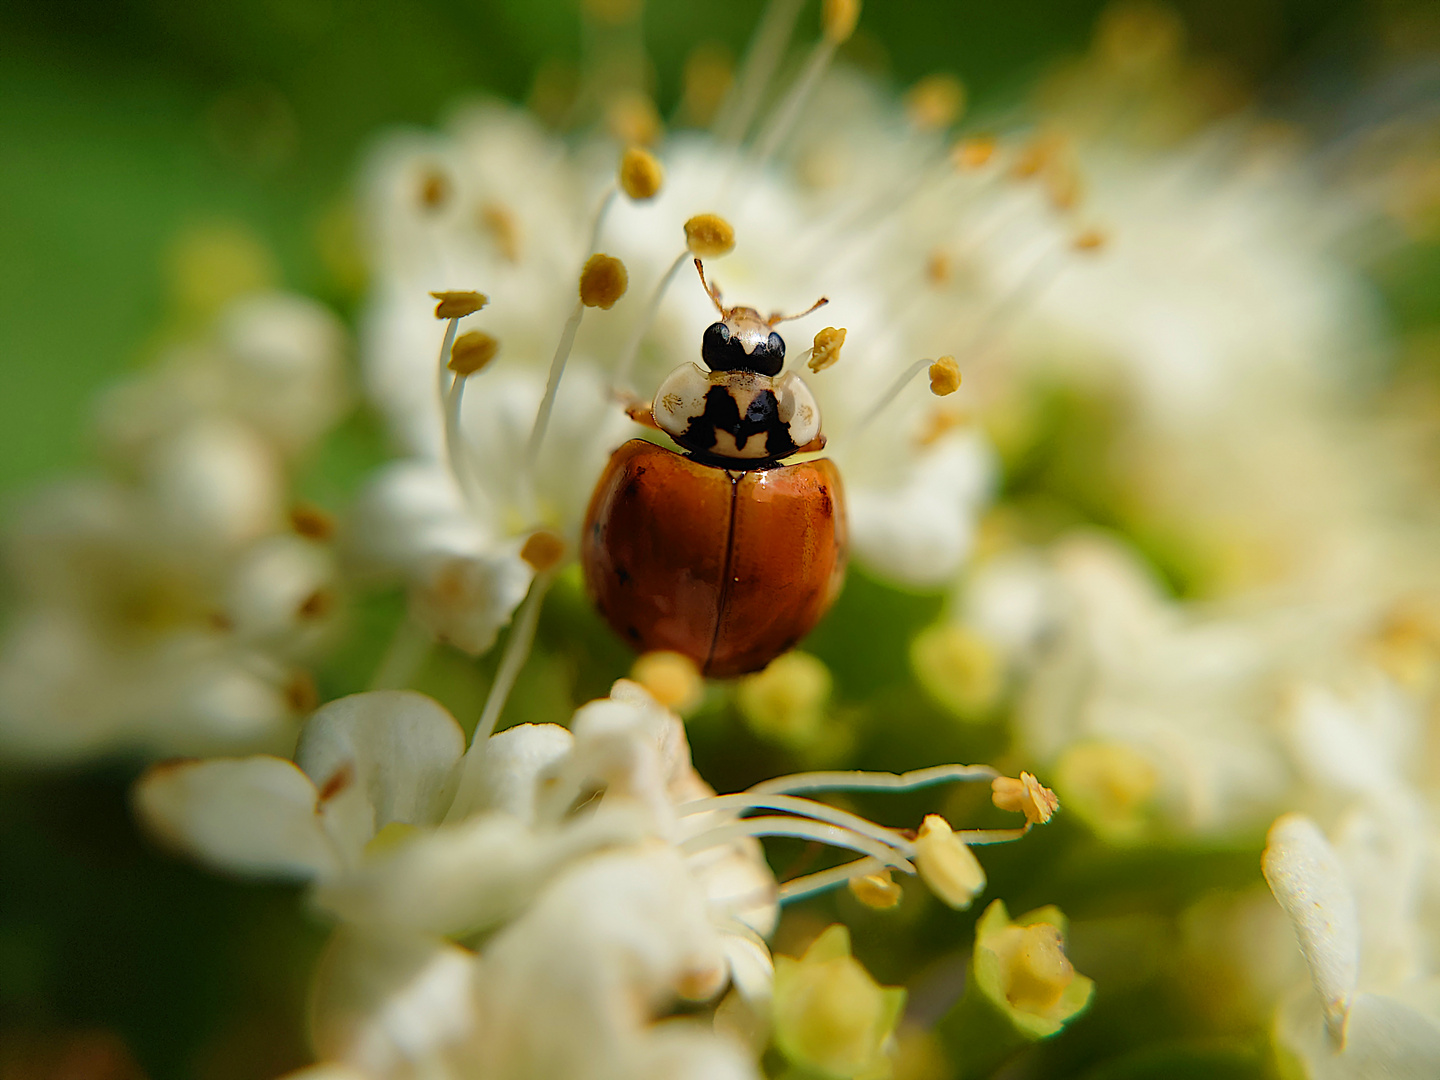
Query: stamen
(838,19)
(602,282)
(741,801)
(935,102)
(647,320)
(472,352)
(517,651)
(800,829)
(457,303)
(875,781)
(766,50)
(944,376)
(826,350)
(708,236)
(640,174)
(825,880)
(877,891)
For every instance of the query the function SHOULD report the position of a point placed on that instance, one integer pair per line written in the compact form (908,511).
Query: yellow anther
(944,376)
(1034,970)
(316,606)
(471,352)
(827,348)
(672,679)
(939,423)
(786,702)
(301,694)
(311,522)
(946,864)
(935,102)
(709,236)
(709,71)
(543,550)
(878,891)
(973,153)
(499,222)
(1089,240)
(434,189)
(1039,154)
(603,281)
(938,267)
(640,173)
(958,668)
(457,303)
(838,18)
(632,119)
(1024,796)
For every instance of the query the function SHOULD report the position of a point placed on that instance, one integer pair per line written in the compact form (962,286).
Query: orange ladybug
(722,553)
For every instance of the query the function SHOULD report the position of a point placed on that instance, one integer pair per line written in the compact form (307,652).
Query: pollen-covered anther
(603,281)
(641,174)
(316,606)
(827,348)
(633,119)
(500,223)
(671,678)
(301,694)
(709,236)
(939,268)
(935,102)
(944,376)
(946,864)
(543,550)
(435,189)
(973,153)
(878,891)
(457,303)
(838,18)
(311,522)
(1089,240)
(472,352)
(1025,796)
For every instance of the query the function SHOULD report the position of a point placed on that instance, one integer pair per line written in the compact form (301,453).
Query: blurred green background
(126,125)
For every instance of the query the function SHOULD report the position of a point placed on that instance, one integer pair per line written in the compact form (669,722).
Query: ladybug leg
(638,409)
(815,444)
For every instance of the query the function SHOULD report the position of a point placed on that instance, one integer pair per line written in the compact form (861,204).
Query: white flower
(593,868)
(169,609)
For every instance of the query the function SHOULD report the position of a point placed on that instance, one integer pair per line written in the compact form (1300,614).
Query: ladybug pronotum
(722,553)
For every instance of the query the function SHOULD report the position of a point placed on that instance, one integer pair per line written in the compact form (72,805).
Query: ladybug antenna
(713,291)
(816,306)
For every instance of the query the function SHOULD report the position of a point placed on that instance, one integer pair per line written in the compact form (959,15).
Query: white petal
(461,879)
(388,755)
(1385,1039)
(510,770)
(393,1005)
(1309,881)
(248,815)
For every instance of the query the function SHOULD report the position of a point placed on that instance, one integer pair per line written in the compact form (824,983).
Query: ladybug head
(743,340)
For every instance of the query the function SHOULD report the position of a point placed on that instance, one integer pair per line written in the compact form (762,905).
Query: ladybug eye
(720,350)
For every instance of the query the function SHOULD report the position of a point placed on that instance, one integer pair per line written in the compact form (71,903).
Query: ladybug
(723,553)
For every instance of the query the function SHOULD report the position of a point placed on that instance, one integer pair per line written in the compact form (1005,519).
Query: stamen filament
(647,319)
(444,375)
(761,59)
(788,111)
(552,387)
(517,651)
(874,781)
(991,836)
(800,829)
(809,808)
(824,880)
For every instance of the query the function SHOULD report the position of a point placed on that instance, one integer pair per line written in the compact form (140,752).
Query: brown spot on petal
(312,522)
(338,781)
(316,606)
(301,693)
